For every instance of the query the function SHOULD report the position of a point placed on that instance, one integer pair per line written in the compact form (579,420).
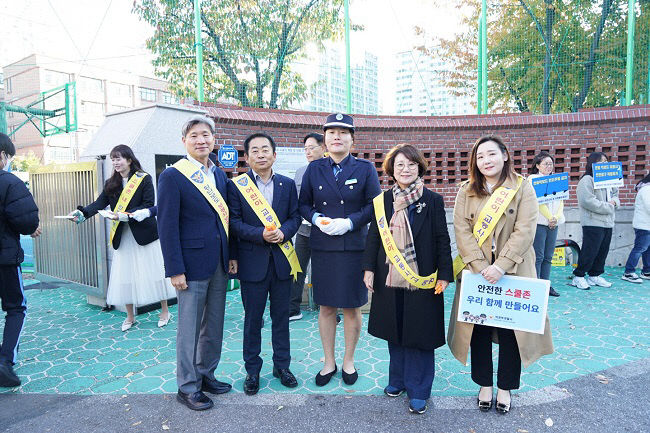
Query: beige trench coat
(514,253)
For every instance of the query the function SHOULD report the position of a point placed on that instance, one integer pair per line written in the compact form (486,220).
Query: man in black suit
(264,268)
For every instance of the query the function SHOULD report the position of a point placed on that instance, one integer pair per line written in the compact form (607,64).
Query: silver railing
(67,251)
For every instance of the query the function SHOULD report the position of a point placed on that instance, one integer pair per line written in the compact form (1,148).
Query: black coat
(145,231)
(423,324)
(18,215)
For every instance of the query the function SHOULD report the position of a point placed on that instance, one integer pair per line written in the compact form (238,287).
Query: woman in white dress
(137,275)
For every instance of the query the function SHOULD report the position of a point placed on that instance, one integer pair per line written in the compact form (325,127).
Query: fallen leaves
(280,407)
(136,423)
(602,379)
(521,430)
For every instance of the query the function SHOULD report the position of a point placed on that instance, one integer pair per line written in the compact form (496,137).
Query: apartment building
(98,91)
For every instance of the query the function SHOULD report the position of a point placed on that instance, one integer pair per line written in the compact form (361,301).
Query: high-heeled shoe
(504,408)
(126,325)
(484,406)
(324,379)
(163,322)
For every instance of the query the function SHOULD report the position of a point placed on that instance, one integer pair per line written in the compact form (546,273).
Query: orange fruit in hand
(271,227)
(325,223)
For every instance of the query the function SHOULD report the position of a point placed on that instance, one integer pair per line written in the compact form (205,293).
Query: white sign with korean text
(289,159)
(516,303)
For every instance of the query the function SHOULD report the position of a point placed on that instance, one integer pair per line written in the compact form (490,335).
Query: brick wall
(623,133)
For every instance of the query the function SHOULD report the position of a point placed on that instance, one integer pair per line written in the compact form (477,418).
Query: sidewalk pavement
(78,366)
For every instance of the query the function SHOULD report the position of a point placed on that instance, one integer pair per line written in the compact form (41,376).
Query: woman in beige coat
(508,250)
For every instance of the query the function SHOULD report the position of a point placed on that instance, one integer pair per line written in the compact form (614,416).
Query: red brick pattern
(623,133)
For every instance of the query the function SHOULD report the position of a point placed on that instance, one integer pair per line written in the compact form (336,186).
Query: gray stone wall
(622,237)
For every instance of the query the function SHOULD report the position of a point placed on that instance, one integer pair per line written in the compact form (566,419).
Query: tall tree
(546,55)
(248,45)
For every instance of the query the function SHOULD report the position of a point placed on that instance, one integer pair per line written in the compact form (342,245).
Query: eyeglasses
(547,164)
(410,166)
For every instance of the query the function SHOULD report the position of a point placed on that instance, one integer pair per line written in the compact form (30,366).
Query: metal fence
(65,250)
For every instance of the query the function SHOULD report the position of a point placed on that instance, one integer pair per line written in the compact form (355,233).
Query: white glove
(325,224)
(122,217)
(141,214)
(340,226)
(78,215)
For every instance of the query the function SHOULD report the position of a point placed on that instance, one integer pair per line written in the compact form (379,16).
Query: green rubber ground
(68,346)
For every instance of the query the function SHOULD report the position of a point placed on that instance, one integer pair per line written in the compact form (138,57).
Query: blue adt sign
(228,156)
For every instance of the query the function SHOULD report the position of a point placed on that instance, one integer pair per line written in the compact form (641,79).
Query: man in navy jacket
(18,215)
(264,271)
(195,250)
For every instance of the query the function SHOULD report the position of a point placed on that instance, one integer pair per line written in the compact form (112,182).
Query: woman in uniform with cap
(336,196)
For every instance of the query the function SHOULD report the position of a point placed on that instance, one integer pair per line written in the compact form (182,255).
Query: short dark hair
(251,137)
(316,136)
(411,153)
(6,145)
(541,156)
(593,158)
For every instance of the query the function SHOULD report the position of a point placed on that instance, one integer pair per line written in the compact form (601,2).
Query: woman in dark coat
(409,318)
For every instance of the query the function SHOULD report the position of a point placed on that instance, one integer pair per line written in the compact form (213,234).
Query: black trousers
(12,295)
(254,297)
(303,251)
(595,246)
(509,370)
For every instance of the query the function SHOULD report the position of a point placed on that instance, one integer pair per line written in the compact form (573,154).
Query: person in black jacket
(137,272)
(409,318)
(18,215)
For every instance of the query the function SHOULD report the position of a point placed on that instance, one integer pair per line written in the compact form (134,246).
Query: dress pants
(199,335)
(303,251)
(411,369)
(254,296)
(509,370)
(14,304)
(595,246)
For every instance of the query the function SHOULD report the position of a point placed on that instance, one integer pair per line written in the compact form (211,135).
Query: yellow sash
(489,217)
(265,213)
(393,253)
(125,198)
(210,192)
(546,212)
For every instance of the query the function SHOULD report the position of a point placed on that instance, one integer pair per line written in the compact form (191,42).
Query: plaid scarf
(401,230)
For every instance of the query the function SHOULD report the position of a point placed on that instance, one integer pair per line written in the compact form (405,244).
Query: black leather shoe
(8,378)
(215,386)
(324,379)
(286,377)
(350,378)
(552,292)
(195,401)
(251,384)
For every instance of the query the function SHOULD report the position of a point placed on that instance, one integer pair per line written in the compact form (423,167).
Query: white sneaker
(645,275)
(580,282)
(598,281)
(295,317)
(632,278)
